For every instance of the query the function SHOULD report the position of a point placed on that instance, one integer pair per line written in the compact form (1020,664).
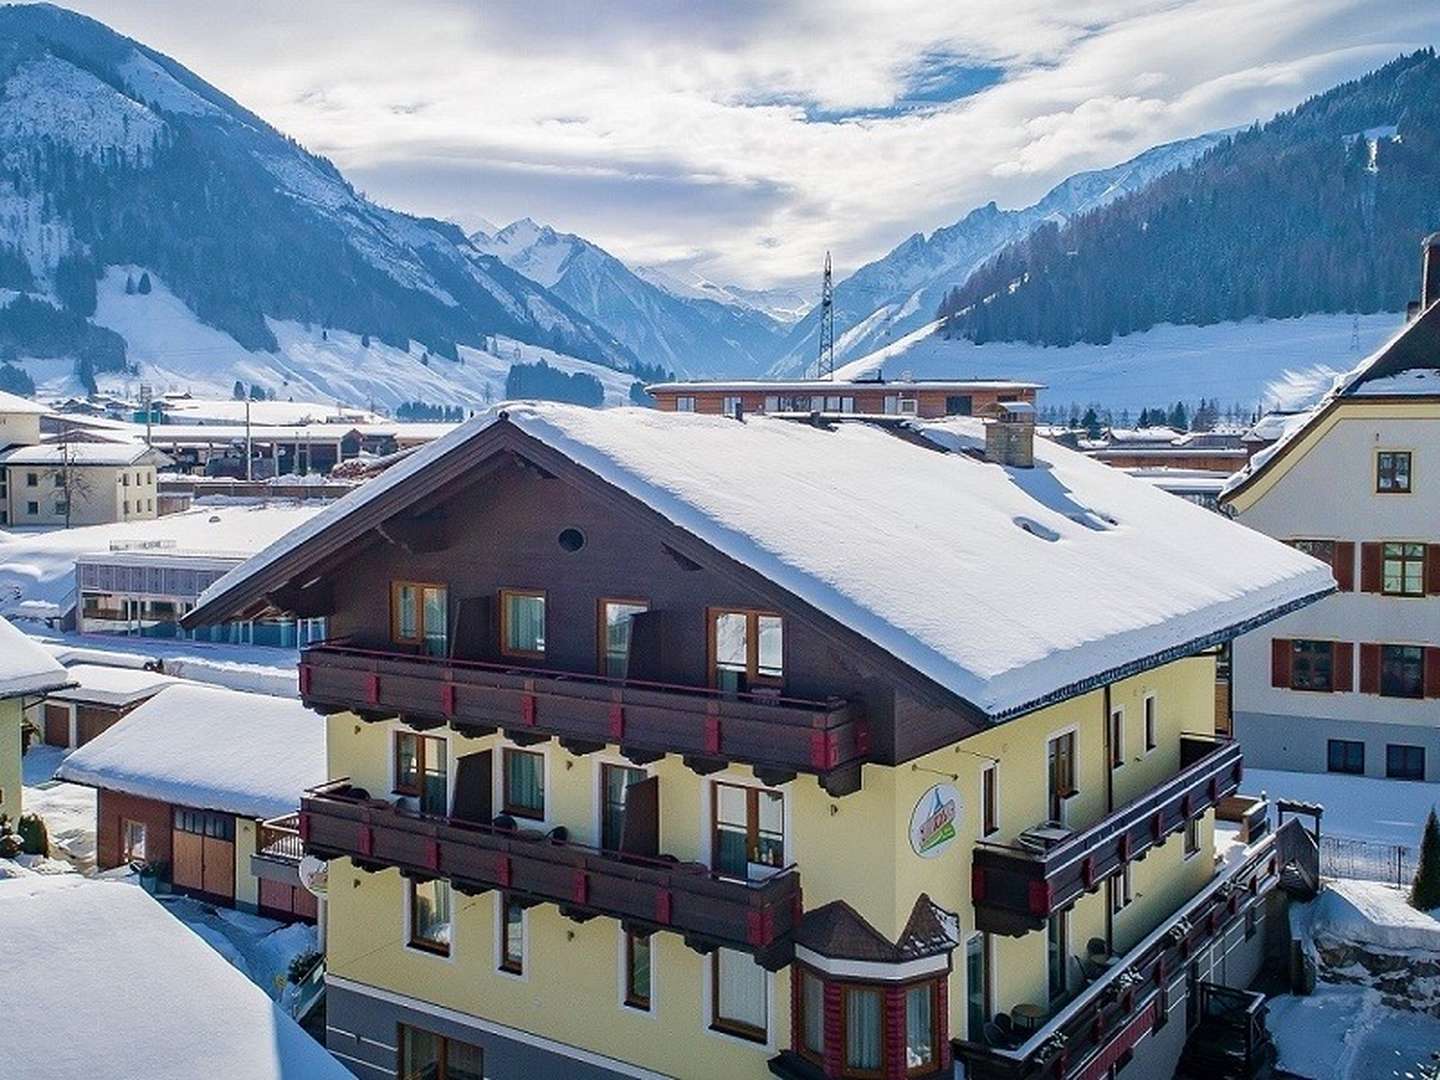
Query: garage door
(284,901)
(90,722)
(57,725)
(203,853)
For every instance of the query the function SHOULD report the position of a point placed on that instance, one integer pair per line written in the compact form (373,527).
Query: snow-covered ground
(68,810)
(261,948)
(1347,1033)
(37,567)
(1359,807)
(1280,363)
(176,351)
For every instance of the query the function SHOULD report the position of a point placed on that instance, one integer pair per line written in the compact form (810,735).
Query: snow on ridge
(151,83)
(51,97)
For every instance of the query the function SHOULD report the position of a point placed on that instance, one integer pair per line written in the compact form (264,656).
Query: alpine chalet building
(1351,684)
(691,746)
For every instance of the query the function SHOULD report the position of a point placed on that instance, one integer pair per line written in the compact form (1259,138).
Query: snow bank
(1347,1033)
(258,669)
(1367,913)
(210,748)
(88,952)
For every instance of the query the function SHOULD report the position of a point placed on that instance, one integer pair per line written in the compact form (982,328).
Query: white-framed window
(1152,723)
(637,971)
(909,406)
(1122,889)
(732,406)
(1117,737)
(512,937)
(739,996)
(132,841)
(685,403)
(989,799)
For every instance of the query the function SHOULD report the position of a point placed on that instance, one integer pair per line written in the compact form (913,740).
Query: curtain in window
(436,628)
(731,830)
(731,649)
(638,991)
(617,637)
(617,779)
(419,1054)
(524,623)
(919,1027)
(514,935)
(433,794)
(740,989)
(463,1061)
(814,1006)
(431,917)
(407,617)
(407,766)
(770,836)
(862,1029)
(524,783)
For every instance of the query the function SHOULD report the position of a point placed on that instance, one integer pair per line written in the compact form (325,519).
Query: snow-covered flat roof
(80,453)
(840,385)
(26,667)
(1420,382)
(1010,587)
(114,686)
(109,984)
(210,748)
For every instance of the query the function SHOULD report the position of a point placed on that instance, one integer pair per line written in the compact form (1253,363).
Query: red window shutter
(1369,669)
(1280,653)
(1342,663)
(1369,567)
(1432,569)
(1432,672)
(1344,566)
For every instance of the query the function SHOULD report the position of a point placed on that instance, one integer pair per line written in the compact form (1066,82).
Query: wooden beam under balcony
(1016,888)
(708,910)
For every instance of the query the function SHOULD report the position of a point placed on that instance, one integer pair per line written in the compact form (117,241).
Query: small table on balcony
(1029,1017)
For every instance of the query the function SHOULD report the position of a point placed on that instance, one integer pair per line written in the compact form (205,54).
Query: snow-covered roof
(81,453)
(13,403)
(1407,364)
(1008,586)
(121,988)
(862,380)
(114,686)
(210,748)
(25,666)
(174,434)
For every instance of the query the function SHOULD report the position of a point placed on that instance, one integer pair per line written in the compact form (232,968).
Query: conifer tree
(1425,889)
(144,287)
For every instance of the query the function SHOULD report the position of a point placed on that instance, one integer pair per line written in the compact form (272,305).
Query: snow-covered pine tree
(1425,889)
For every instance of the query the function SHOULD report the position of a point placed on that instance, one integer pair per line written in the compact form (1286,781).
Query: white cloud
(680,132)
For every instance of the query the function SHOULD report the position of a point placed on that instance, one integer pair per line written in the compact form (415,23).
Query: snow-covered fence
(1367,860)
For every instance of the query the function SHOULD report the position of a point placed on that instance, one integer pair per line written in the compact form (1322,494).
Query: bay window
(864,1031)
(869,1044)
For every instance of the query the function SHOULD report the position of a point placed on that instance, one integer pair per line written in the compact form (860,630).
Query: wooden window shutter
(1432,569)
(1432,671)
(473,787)
(1369,669)
(640,834)
(1370,567)
(1344,566)
(1280,653)
(1342,663)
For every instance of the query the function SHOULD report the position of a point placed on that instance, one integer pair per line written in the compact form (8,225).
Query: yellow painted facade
(10,765)
(855,848)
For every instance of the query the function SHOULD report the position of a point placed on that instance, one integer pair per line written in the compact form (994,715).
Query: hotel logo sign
(932,822)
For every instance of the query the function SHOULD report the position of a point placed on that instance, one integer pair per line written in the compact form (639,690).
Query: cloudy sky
(743,139)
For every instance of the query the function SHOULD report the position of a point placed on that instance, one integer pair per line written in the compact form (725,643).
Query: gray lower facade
(1301,743)
(362,1030)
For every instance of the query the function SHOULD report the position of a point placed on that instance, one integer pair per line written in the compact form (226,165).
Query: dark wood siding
(1280,654)
(1343,665)
(1344,566)
(1370,567)
(57,725)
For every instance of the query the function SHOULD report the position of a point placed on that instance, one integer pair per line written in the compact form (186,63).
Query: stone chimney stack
(1430,271)
(1010,434)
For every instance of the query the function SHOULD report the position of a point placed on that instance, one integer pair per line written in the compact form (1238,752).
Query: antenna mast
(825,369)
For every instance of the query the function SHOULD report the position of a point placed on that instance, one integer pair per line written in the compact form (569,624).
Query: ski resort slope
(1277,363)
(176,351)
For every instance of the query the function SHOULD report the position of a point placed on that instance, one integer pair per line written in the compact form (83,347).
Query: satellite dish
(313,874)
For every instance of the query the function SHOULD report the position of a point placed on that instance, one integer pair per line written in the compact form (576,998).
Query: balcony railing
(781,734)
(655,893)
(1016,888)
(1094,1030)
(279,839)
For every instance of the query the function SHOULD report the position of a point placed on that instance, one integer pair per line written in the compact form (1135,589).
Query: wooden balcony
(779,736)
(278,849)
(1096,1028)
(647,893)
(1017,888)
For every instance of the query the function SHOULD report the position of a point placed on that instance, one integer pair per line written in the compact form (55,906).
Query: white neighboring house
(96,483)
(124,989)
(1352,684)
(27,671)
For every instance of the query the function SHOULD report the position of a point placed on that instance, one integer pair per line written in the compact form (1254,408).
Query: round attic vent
(571,540)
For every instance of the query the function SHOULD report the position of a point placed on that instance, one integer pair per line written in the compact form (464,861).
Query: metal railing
(1368,860)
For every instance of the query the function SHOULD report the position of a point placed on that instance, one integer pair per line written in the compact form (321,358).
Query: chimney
(1010,434)
(1430,271)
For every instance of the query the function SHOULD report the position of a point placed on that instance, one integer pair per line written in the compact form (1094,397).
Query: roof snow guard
(1006,587)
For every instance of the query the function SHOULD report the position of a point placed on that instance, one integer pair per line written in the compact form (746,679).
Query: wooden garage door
(203,853)
(57,725)
(90,722)
(286,901)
